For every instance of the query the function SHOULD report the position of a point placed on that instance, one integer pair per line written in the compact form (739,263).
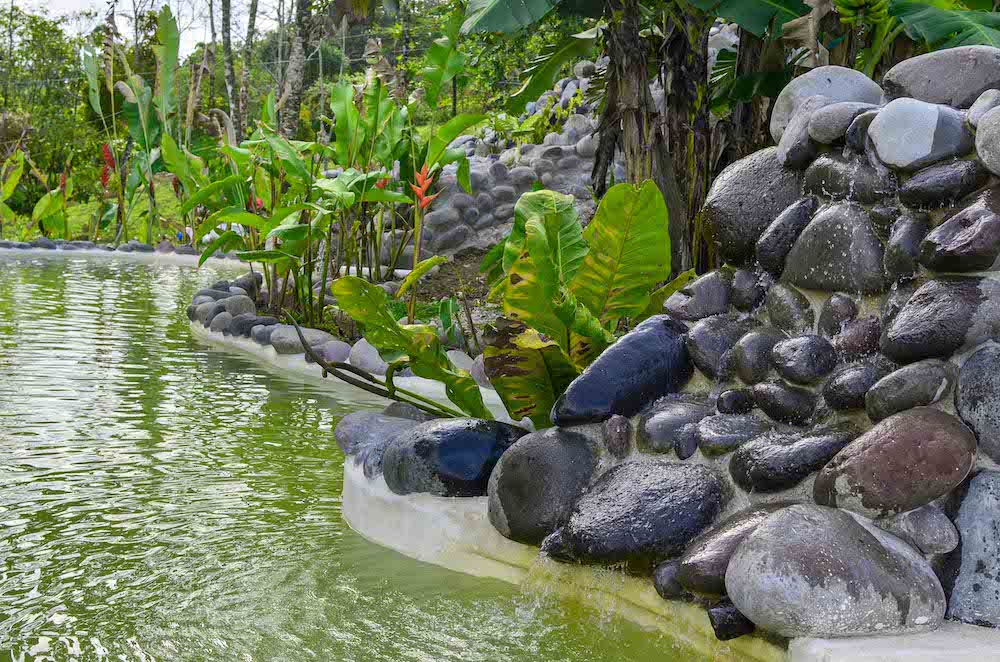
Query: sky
(192,16)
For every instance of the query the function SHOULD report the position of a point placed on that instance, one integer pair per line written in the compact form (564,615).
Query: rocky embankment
(806,441)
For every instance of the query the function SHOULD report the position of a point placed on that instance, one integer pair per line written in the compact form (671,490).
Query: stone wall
(806,441)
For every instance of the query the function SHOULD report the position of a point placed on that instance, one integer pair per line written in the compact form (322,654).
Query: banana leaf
(755,15)
(504,15)
(528,371)
(545,68)
(629,253)
(947,28)
(166,66)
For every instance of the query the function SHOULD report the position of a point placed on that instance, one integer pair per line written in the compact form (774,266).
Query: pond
(163,501)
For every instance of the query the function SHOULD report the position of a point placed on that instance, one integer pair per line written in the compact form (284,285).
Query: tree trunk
(291,96)
(243,128)
(630,123)
(689,128)
(746,128)
(211,60)
(227,56)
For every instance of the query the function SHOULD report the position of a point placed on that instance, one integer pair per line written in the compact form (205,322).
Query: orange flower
(420,188)
(382,182)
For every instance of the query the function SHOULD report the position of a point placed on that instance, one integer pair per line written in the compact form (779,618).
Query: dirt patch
(459,275)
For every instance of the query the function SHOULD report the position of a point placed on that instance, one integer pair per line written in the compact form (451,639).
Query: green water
(163,501)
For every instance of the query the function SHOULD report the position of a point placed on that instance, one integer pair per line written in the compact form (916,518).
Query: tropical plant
(566,291)
(10,176)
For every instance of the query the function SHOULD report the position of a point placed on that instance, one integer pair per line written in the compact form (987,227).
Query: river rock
(918,384)
(779,461)
(749,290)
(970,570)
(335,351)
(735,401)
(647,363)
(904,462)
(847,387)
(215,294)
(784,403)
(451,457)
(943,184)
(706,296)
(243,324)
(796,149)
(774,245)
(724,433)
(987,139)
(848,178)
(942,315)
(830,123)
(745,199)
(364,356)
(804,359)
(220,323)
(910,134)
(953,76)
(359,431)
(858,339)
(617,435)
(903,248)
(751,356)
(789,310)
(261,334)
(727,621)
(836,312)
(285,340)
(857,134)
(665,580)
(669,420)
(986,102)
(837,83)
(926,528)
(711,338)
(977,398)
(702,568)
(839,250)
(642,511)
(969,240)
(808,571)
(536,482)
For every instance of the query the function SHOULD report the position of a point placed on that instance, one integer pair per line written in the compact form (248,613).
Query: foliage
(504,15)
(411,345)
(941,27)
(545,69)
(758,16)
(565,292)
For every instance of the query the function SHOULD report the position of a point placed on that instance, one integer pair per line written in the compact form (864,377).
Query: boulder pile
(806,441)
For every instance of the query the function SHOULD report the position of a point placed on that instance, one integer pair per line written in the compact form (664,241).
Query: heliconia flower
(62,181)
(152,191)
(105,176)
(425,201)
(109,158)
(177,186)
(382,182)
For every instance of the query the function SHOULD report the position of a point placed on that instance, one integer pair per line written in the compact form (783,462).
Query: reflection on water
(162,501)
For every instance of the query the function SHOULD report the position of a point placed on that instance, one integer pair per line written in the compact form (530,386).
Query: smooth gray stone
(953,76)
(808,571)
(970,570)
(830,124)
(837,83)
(220,323)
(986,102)
(285,340)
(915,385)
(927,528)
(910,134)
(988,140)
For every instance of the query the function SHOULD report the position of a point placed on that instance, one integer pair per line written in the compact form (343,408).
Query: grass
(80,215)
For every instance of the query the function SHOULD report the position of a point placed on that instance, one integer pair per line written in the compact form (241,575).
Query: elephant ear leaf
(528,371)
(629,253)
(417,345)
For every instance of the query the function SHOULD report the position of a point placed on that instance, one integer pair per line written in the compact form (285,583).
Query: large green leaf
(545,69)
(93,85)
(629,253)
(225,242)
(755,15)
(504,15)
(416,344)
(209,191)
(450,130)
(530,289)
(166,65)
(13,168)
(444,61)
(419,272)
(660,296)
(186,166)
(295,166)
(237,215)
(349,127)
(143,125)
(528,372)
(947,28)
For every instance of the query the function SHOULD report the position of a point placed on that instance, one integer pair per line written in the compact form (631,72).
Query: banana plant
(566,291)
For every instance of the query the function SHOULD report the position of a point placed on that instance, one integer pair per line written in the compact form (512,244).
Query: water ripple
(161,501)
